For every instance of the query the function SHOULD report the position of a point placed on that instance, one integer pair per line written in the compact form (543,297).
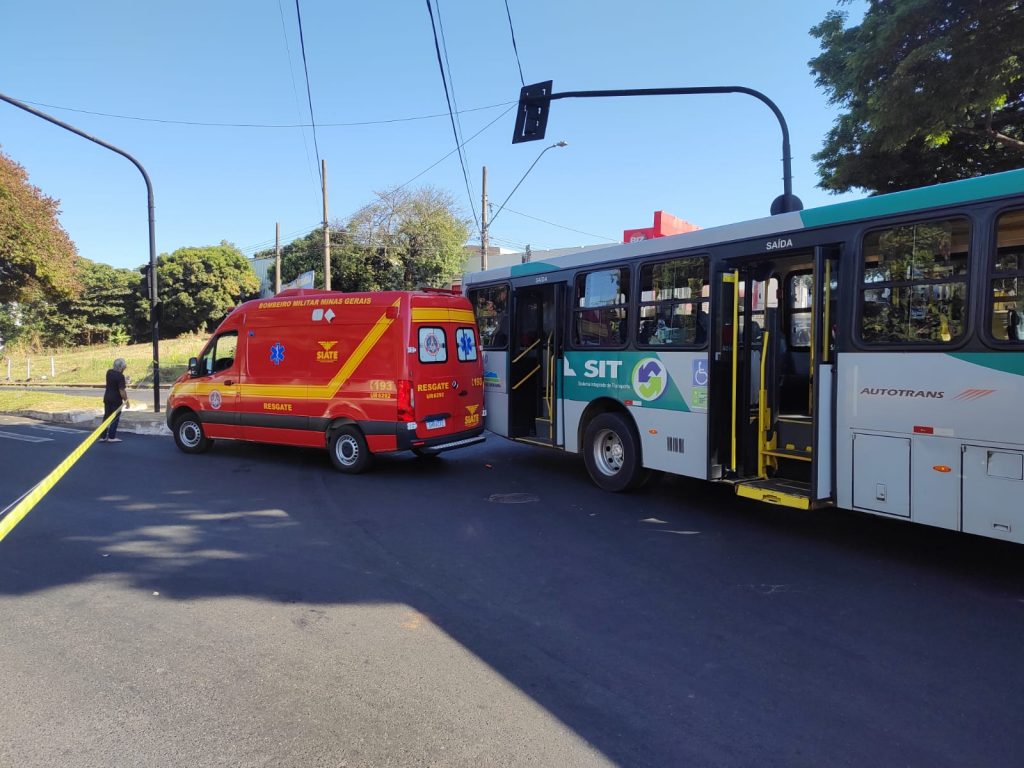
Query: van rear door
(447,370)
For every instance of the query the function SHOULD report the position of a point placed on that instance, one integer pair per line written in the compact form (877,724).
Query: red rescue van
(356,373)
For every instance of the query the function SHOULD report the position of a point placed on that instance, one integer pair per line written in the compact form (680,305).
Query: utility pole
(277,261)
(483,224)
(327,231)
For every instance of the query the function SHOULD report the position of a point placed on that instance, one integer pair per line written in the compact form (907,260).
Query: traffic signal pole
(535,103)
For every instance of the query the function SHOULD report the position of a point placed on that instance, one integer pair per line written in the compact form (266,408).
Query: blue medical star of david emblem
(466,344)
(277,353)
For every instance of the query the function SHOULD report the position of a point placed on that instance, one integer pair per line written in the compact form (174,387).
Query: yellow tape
(36,495)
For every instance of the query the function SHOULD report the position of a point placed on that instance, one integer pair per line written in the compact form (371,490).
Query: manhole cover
(512,498)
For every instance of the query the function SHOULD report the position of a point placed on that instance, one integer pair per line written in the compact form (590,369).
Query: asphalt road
(251,607)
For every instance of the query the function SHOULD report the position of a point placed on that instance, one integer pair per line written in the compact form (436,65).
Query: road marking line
(25,438)
(25,504)
(62,430)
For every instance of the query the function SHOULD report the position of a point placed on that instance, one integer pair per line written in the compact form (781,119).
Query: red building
(665,224)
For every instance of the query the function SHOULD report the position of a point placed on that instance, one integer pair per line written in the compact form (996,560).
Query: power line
(309,95)
(455,102)
(295,90)
(264,125)
(410,181)
(602,238)
(444,80)
(514,48)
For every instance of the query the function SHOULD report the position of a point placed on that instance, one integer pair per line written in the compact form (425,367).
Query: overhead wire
(514,47)
(601,238)
(430,167)
(295,90)
(455,101)
(198,123)
(309,95)
(444,80)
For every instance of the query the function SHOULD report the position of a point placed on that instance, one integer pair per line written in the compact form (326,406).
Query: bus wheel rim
(609,452)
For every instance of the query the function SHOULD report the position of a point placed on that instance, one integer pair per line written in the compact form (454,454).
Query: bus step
(791,452)
(787,493)
(542,428)
(794,435)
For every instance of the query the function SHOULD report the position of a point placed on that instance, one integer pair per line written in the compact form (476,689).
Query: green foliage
(37,258)
(401,240)
(199,286)
(932,91)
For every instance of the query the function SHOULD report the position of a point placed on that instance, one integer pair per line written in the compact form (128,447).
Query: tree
(37,258)
(199,286)
(409,239)
(933,91)
(402,240)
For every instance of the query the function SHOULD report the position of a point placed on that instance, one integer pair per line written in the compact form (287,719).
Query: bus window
(915,283)
(490,305)
(1008,279)
(600,314)
(798,297)
(673,303)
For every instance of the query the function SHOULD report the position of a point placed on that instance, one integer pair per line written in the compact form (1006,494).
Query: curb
(140,424)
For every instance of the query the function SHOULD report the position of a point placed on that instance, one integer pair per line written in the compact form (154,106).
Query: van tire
(189,435)
(611,451)
(348,449)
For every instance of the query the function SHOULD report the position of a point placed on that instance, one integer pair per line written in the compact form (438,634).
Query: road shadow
(675,626)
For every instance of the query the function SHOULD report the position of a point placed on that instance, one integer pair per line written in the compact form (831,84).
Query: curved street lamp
(485,225)
(154,303)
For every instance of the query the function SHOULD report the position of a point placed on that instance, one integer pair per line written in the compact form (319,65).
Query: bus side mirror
(193,366)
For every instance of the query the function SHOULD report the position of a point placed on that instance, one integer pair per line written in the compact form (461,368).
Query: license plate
(435,424)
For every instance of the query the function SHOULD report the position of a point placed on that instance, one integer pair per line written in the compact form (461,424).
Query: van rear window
(433,345)
(465,344)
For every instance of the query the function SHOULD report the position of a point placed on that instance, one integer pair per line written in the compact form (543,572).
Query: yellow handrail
(762,411)
(527,376)
(520,356)
(734,278)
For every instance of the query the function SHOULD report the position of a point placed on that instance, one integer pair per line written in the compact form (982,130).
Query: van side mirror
(193,366)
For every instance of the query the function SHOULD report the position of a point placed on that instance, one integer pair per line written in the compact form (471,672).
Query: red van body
(357,373)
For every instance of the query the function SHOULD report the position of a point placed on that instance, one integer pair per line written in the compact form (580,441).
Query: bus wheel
(611,452)
(189,435)
(348,450)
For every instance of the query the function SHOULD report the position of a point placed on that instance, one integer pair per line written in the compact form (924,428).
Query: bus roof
(935,196)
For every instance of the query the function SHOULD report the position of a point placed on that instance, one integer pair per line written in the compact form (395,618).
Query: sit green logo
(649,379)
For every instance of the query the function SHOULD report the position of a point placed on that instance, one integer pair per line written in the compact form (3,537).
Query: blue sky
(708,159)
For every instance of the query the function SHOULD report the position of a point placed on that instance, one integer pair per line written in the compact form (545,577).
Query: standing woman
(113,396)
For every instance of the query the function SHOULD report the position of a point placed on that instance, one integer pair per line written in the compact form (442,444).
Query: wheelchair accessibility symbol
(700,373)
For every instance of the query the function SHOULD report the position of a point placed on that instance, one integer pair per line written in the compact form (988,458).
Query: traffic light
(146,283)
(532,118)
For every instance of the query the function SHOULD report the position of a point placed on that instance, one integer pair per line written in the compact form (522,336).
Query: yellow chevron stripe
(442,315)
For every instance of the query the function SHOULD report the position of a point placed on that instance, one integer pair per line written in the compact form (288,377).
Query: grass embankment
(89,365)
(13,400)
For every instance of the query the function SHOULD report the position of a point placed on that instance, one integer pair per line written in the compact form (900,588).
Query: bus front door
(534,373)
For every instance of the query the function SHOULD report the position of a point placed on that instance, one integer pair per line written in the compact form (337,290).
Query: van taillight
(406,400)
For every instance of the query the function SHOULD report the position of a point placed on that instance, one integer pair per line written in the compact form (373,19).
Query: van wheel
(348,450)
(189,435)
(611,451)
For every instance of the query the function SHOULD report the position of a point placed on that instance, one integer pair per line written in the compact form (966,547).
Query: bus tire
(349,453)
(189,435)
(611,451)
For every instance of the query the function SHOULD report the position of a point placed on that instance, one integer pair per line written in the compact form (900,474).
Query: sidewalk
(140,420)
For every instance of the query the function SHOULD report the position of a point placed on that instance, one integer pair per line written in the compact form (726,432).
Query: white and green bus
(867,355)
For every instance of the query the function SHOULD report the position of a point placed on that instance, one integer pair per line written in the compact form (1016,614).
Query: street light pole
(154,312)
(556,144)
